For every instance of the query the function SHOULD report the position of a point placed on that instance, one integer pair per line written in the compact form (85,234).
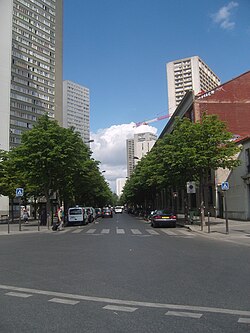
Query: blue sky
(119,50)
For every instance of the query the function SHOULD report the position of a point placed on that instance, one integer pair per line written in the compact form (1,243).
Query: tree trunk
(186,209)
(48,210)
(202,210)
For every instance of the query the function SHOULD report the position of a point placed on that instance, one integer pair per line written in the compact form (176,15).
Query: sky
(119,50)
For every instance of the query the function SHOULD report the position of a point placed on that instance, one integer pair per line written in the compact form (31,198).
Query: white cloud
(224,14)
(109,147)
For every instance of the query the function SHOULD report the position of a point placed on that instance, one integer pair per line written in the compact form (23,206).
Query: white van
(77,215)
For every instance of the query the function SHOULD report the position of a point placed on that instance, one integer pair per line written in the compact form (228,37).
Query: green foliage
(53,159)
(188,153)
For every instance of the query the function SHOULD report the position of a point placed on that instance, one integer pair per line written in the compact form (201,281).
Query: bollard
(208,222)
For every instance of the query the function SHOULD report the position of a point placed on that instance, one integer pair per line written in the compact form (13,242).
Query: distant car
(107,212)
(161,218)
(118,209)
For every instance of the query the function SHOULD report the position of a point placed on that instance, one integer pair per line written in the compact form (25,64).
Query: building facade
(120,182)
(76,105)
(130,156)
(188,74)
(137,148)
(238,194)
(231,103)
(30,67)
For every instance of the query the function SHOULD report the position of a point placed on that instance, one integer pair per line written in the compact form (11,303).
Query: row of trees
(189,153)
(52,159)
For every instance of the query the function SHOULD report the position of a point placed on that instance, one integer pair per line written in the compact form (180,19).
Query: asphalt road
(120,275)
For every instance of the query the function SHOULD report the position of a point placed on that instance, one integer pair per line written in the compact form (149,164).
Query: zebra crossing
(133,232)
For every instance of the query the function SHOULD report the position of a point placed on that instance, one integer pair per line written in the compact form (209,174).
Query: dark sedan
(163,218)
(106,212)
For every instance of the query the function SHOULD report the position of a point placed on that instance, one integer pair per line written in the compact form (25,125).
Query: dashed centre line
(120,302)
(64,301)
(119,308)
(184,314)
(22,295)
(244,320)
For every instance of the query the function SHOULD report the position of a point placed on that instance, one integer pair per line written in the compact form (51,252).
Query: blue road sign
(19,192)
(225,186)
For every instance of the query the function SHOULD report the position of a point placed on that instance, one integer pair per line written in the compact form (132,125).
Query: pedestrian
(60,215)
(25,216)
(43,217)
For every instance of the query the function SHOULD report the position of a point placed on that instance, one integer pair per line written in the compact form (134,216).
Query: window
(248,159)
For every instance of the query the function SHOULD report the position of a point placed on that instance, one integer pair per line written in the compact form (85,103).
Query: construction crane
(146,122)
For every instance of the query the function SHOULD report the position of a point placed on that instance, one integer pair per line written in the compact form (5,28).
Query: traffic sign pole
(20,228)
(225,188)
(226,216)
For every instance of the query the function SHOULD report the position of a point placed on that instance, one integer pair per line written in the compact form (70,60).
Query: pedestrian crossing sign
(225,186)
(19,192)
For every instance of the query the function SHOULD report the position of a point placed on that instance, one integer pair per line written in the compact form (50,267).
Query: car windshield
(75,211)
(163,212)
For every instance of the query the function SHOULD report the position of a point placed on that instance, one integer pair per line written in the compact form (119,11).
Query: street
(121,275)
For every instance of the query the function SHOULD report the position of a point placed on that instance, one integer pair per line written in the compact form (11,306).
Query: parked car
(98,212)
(163,217)
(107,212)
(77,215)
(118,209)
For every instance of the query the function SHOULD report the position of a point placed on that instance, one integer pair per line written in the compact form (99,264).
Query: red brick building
(231,102)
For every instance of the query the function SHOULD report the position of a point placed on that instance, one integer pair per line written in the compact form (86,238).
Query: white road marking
(105,231)
(244,320)
(127,302)
(61,232)
(77,231)
(18,294)
(136,232)
(119,308)
(184,314)
(120,231)
(185,232)
(90,231)
(64,301)
(168,232)
(152,232)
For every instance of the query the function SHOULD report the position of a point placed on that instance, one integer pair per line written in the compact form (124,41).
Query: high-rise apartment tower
(188,74)
(76,108)
(138,148)
(30,67)
(120,182)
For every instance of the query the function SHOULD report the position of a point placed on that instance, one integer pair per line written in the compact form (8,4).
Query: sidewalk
(29,227)
(238,231)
